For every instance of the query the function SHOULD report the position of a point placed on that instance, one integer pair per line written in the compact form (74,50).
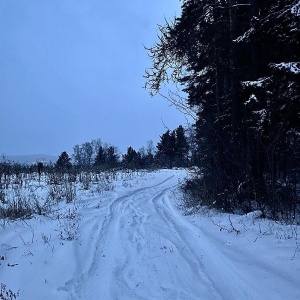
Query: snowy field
(132,242)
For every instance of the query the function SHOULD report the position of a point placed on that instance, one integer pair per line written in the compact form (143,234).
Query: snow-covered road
(134,244)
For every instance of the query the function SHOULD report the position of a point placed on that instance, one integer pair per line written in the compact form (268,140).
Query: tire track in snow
(199,283)
(164,280)
(144,249)
(223,277)
(103,244)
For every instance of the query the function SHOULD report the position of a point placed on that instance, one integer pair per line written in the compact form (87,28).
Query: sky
(72,71)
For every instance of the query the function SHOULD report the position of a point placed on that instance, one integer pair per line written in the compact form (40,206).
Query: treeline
(174,149)
(238,63)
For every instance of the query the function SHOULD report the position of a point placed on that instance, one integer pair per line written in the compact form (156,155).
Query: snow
(255,83)
(133,242)
(245,36)
(290,67)
(251,98)
(295,10)
(261,113)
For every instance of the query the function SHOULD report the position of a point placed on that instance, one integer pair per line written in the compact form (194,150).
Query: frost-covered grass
(124,237)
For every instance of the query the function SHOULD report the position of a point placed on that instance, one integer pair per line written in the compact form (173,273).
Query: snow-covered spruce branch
(233,6)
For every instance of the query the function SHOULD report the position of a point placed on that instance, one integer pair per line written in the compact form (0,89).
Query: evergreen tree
(112,158)
(194,155)
(107,157)
(239,65)
(181,148)
(172,149)
(166,150)
(63,162)
(272,104)
(132,158)
(101,158)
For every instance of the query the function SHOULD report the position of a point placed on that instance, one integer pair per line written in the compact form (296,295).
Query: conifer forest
(238,64)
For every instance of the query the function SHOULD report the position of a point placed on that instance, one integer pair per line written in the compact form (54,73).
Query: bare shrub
(16,205)
(7,294)
(69,222)
(104,183)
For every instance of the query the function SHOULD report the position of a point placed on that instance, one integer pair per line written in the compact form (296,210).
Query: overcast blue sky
(72,71)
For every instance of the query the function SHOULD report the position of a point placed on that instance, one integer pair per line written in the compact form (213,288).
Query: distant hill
(30,159)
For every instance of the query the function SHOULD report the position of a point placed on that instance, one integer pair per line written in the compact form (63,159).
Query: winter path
(133,243)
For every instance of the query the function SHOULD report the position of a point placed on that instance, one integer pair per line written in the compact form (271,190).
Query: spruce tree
(112,158)
(132,158)
(238,63)
(63,162)
(166,150)
(181,148)
(101,157)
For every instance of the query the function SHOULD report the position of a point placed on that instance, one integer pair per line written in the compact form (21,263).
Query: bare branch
(181,104)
